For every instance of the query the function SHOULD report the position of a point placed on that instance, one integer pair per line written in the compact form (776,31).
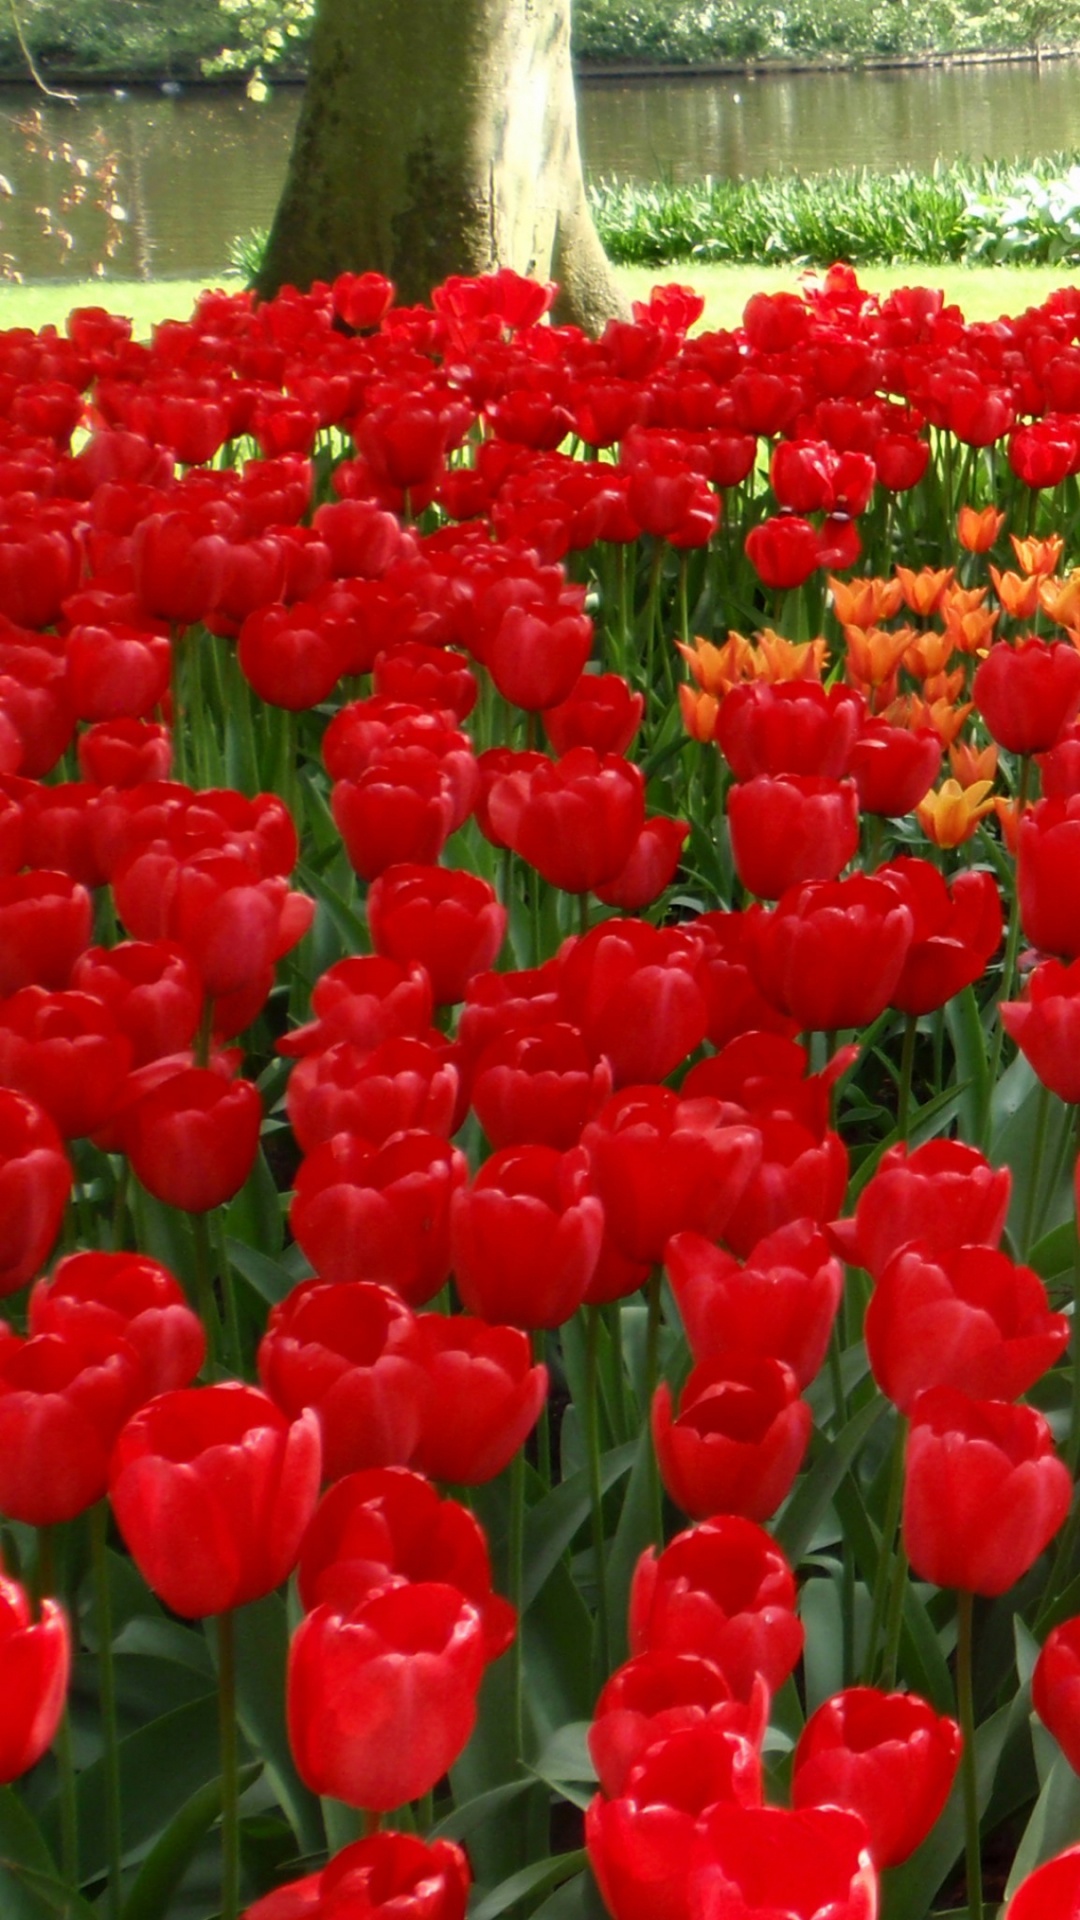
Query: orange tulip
(781,659)
(1018,593)
(1008,814)
(977,528)
(972,631)
(928,654)
(699,711)
(1038,556)
(864,603)
(1060,599)
(874,654)
(718,669)
(922,591)
(944,686)
(950,815)
(946,720)
(969,763)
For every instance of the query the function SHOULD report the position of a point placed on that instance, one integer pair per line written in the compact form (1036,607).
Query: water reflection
(139,186)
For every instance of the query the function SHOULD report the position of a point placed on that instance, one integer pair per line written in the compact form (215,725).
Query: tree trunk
(439,137)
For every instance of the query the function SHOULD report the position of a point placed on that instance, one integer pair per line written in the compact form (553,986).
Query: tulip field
(539,1071)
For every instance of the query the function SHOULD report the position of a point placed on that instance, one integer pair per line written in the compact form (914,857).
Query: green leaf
(576,1899)
(533,1879)
(262,1646)
(969,1039)
(166,1863)
(558,1637)
(551,1525)
(633,1535)
(1054,1823)
(161,1765)
(271,1280)
(817,1489)
(473,1813)
(566,1755)
(254,1217)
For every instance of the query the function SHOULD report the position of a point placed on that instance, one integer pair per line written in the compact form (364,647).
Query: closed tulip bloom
(958,927)
(943,1194)
(1052,1892)
(539,1086)
(395,1873)
(35,1661)
(968,1318)
(810,1864)
(832,951)
(984,1491)
(212,1489)
(1046,1026)
(152,989)
(63,1399)
(635,993)
(400,808)
(347,1351)
(385,1526)
(525,1236)
(362,1212)
(645,1845)
(657,1694)
(35,1181)
(735,1441)
(781,1303)
(381,1699)
(447,920)
(600,711)
(45,922)
(783,551)
(662,1165)
(484,1397)
(887,1757)
(365,1000)
(65,1052)
(399,1084)
(786,828)
(576,820)
(127,1295)
(894,767)
(193,1139)
(1028,693)
(1048,876)
(724,1590)
(1055,1688)
(792,726)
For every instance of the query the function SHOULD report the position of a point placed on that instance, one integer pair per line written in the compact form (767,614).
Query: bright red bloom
(657,1694)
(116,673)
(832,951)
(484,1397)
(381,1698)
(968,1317)
(151,988)
(364,1000)
(362,1212)
(1053,1889)
(400,808)
(395,1873)
(984,1492)
(600,711)
(651,866)
(1027,694)
(957,928)
(792,726)
(943,1194)
(781,1303)
(538,654)
(1046,1026)
(1048,876)
(1055,1688)
(348,1351)
(723,1590)
(35,1181)
(662,1165)
(783,551)
(179,566)
(538,1086)
(576,820)
(131,1298)
(235,921)
(894,767)
(813,1864)
(213,1489)
(787,828)
(65,1052)
(35,1660)
(63,1400)
(449,921)
(634,993)
(646,1846)
(737,1438)
(525,1236)
(734,1002)
(45,922)
(290,657)
(400,1084)
(192,1139)
(887,1757)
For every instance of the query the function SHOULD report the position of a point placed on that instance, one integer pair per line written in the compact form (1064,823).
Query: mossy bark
(439,137)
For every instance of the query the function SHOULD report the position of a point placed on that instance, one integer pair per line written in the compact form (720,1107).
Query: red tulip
(943,1194)
(1055,1688)
(484,1397)
(887,1757)
(525,1236)
(35,1660)
(391,1873)
(737,1438)
(379,1213)
(723,1590)
(35,1181)
(212,1489)
(814,1864)
(781,1303)
(130,1297)
(192,1140)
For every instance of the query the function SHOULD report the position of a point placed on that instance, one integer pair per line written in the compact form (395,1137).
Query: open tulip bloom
(538,923)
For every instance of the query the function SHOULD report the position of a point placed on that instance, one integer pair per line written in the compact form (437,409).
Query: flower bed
(538,1047)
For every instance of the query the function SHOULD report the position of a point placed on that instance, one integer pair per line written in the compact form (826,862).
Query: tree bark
(439,137)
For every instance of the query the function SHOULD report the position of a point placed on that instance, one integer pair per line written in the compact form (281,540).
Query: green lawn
(984,293)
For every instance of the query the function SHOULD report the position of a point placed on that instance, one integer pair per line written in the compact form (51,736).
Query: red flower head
(388,1873)
(723,1590)
(737,1438)
(943,1194)
(35,1660)
(888,1757)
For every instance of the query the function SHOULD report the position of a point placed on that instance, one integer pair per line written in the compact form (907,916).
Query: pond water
(134,186)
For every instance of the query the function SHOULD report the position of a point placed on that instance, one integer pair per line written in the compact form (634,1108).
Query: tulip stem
(1042,1120)
(596,1495)
(1008,969)
(894,1623)
(233,1344)
(652,1376)
(99,1524)
(907,1067)
(966,1707)
(516,1583)
(45,1584)
(889,1531)
(205,1303)
(230,1780)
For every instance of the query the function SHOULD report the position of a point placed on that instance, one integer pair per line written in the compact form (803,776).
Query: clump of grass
(962,210)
